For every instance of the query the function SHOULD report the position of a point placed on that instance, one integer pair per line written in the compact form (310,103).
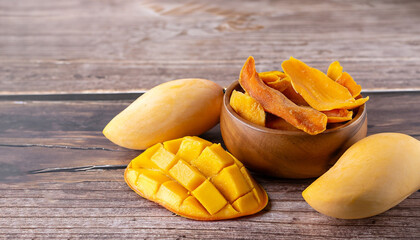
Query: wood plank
(51,134)
(61,47)
(79,123)
(108,207)
(69,77)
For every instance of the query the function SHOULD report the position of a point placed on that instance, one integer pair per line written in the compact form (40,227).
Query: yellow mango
(372,176)
(211,185)
(247,107)
(170,110)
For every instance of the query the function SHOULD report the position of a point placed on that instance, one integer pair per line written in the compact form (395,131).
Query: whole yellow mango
(372,176)
(170,110)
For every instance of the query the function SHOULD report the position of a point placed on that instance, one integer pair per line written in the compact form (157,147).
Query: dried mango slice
(279,81)
(347,81)
(275,79)
(335,72)
(275,122)
(273,101)
(358,102)
(293,96)
(318,90)
(210,185)
(272,76)
(338,115)
(247,107)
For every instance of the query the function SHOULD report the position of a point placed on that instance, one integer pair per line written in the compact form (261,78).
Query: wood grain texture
(51,46)
(111,46)
(98,204)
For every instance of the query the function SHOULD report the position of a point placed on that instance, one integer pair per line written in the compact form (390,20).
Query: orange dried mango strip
(335,72)
(275,79)
(247,107)
(347,81)
(279,123)
(273,101)
(318,90)
(279,81)
(295,97)
(272,76)
(358,102)
(338,115)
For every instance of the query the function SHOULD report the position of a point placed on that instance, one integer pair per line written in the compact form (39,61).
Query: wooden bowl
(288,154)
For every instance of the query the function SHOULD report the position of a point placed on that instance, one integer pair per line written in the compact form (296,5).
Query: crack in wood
(132,95)
(57,146)
(77,169)
(72,96)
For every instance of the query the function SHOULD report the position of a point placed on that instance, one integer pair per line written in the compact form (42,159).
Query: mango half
(170,110)
(195,179)
(372,176)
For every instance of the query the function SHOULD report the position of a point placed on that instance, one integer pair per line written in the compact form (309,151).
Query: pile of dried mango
(197,179)
(304,97)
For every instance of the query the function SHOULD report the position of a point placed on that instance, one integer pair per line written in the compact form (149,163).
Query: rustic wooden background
(67,67)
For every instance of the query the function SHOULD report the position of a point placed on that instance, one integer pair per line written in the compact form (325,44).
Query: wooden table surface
(68,67)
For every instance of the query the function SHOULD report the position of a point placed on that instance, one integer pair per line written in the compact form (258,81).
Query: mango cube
(173,145)
(196,179)
(132,175)
(246,202)
(251,183)
(247,177)
(143,160)
(163,158)
(227,210)
(212,160)
(172,193)
(231,183)
(187,175)
(149,181)
(192,206)
(210,197)
(191,147)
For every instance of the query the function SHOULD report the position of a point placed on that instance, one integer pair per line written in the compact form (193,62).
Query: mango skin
(170,110)
(372,176)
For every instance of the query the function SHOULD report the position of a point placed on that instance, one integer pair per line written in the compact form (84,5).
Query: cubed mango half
(195,179)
